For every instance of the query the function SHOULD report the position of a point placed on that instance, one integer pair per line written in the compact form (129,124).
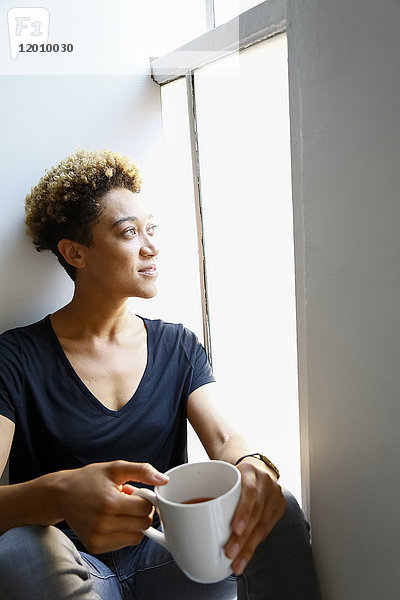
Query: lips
(149,270)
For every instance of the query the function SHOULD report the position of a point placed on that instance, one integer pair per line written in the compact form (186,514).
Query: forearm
(220,440)
(30,503)
(236,446)
(232,448)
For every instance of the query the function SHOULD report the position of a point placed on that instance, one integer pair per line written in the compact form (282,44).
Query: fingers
(241,548)
(101,508)
(97,543)
(122,470)
(128,505)
(260,507)
(246,507)
(118,522)
(127,489)
(245,535)
(123,523)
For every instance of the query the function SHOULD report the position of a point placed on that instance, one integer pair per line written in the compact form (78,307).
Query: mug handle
(152,533)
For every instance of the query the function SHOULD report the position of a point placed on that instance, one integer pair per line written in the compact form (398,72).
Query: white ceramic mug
(196,534)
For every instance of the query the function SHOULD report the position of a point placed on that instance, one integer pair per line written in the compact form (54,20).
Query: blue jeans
(41,563)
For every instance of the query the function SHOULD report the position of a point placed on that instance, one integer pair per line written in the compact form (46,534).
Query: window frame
(250,27)
(254,25)
(266,20)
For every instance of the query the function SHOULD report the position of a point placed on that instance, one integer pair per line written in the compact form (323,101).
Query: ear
(73,252)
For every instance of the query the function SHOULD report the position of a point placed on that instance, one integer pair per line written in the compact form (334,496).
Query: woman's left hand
(260,507)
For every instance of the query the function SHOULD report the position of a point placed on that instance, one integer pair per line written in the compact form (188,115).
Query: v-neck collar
(83,386)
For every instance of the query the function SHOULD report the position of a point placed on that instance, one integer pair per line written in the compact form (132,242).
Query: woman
(93,396)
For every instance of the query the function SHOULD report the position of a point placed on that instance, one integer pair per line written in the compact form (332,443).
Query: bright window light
(171,202)
(244,146)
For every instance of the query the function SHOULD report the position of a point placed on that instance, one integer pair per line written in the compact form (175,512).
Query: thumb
(121,471)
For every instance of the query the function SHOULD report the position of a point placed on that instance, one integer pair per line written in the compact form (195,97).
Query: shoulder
(13,341)
(177,347)
(25,331)
(160,327)
(172,334)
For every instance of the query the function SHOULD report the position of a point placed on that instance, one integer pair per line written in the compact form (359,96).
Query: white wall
(344,62)
(43,119)
(102,97)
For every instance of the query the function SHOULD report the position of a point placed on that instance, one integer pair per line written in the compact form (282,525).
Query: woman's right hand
(103,512)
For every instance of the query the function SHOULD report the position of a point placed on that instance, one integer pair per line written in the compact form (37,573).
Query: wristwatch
(264,459)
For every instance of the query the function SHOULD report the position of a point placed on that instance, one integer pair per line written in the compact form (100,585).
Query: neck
(94,315)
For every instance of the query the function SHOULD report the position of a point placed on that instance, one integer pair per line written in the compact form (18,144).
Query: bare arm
(25,503)
(93,500)
(261,503)
(7,429)
(220,440)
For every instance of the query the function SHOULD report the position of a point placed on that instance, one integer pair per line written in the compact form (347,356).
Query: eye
(130,232)
(152,229)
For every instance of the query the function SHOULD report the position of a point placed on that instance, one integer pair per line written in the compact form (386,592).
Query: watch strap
(264,459)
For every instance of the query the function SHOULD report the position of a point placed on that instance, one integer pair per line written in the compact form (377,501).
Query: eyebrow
(123,221)
(131,218)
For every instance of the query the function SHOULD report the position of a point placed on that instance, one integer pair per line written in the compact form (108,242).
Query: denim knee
(38,562)
(26,545)
(293,516)
(282,566)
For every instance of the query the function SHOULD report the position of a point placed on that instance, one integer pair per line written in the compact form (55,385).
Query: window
(179,297)
(244,150)
(233,115)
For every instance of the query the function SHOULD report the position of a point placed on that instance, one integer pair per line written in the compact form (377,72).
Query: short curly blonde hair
(66,201)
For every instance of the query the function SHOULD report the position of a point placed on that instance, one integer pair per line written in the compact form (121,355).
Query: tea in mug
(198,500)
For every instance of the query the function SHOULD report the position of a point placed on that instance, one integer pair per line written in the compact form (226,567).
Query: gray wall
(100,95)
(344,61)
(43,119)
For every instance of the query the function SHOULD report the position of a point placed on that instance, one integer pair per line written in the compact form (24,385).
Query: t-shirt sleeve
(201,369)
(11,375)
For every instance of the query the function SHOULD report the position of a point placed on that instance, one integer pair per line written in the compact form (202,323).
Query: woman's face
(122,257)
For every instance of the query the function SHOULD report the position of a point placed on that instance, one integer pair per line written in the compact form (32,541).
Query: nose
(149,248)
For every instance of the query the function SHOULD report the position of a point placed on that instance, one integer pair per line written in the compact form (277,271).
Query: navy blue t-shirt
(60,424)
